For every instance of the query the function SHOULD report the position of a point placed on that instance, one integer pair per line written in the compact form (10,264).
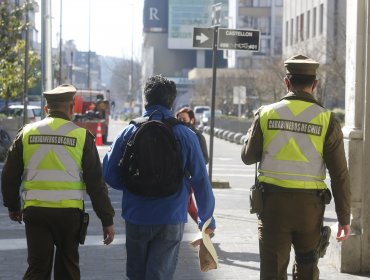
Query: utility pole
(88,54)
(131,76)
(46,64)
(71,69)
(60,44)
(26,50)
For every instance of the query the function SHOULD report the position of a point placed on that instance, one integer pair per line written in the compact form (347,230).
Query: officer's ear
(314,84)
(71,106)
(46,109)
(287,83)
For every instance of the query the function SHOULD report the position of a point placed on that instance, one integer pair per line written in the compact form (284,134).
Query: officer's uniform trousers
(46,228)
(290,218)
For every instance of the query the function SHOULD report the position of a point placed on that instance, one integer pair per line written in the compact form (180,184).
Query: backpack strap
(139,121)
(170,121)
(173,121)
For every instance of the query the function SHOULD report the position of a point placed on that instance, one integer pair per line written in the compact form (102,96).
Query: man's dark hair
(159,91)
(58,106)
(301,81)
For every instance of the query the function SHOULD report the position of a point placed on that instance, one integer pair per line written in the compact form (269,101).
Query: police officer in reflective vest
(294,141)
(55,163)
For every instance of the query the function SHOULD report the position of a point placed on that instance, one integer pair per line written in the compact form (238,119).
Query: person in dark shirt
(187,116)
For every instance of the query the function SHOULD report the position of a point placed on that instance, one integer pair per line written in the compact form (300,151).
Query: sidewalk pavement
(236,242)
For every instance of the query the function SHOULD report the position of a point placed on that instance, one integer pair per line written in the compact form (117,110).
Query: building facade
(317,28)
(167,43)
(265,16)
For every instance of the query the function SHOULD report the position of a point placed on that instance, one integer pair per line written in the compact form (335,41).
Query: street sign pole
(227,39)
(213,104)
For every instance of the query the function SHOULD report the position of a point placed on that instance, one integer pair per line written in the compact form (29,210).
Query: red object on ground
(99,137)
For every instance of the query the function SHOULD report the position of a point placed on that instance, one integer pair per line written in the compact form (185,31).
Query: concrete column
(201,59)
(353,255)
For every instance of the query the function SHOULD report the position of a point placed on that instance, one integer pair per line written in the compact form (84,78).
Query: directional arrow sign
(202,37)
(238,39)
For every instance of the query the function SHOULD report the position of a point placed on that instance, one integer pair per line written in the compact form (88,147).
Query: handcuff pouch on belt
(83,227)
(255,197)
(325,195)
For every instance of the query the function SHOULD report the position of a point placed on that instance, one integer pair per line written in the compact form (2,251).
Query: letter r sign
(153,14)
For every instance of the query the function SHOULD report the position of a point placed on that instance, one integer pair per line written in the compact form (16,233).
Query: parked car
(33,111)
(206,117)
(5,142)
(198,112)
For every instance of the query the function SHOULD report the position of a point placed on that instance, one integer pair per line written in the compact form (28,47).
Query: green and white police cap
(301,65)
(62,93)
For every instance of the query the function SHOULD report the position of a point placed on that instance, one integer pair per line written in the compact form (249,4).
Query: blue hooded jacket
(167,210)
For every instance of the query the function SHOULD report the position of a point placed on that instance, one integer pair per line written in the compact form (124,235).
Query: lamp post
(131,76)
(26,49)
(46,64)
(60,44)
(88,54)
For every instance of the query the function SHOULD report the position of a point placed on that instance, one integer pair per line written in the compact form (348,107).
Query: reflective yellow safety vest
(294,133)
(52,155)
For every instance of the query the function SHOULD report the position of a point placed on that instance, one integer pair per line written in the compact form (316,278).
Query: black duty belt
(270,188)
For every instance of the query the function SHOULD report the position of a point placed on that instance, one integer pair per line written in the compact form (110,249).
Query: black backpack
(152,161)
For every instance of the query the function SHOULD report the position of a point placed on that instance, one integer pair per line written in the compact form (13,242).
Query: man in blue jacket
(155,226)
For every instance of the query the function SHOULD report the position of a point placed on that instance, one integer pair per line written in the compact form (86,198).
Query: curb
(220,185)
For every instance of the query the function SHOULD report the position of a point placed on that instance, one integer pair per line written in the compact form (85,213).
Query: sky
(113,25)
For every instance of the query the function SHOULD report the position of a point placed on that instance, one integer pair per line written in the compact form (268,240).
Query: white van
(33,112)
(198,112)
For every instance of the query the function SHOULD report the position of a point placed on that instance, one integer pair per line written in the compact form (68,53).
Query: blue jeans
(152,251)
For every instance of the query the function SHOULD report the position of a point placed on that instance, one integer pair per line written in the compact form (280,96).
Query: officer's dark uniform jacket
(333,156)
(91,174)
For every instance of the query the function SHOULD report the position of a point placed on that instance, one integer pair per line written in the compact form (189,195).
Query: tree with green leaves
(12,49)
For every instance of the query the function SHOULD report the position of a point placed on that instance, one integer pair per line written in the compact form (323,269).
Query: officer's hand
(343,232)
(16,216)
(108,234)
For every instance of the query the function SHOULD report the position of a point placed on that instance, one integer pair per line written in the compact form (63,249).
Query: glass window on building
(278,47)
(314,20)
(263,24)
(263,3)
(264,47)
(291,31)
(301,29)
(296,29)
(286,33)
(321,23)
(278,3)
(260,23)
(246,3)
(308,24)
(257,3)
(244,63)
(249,22)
